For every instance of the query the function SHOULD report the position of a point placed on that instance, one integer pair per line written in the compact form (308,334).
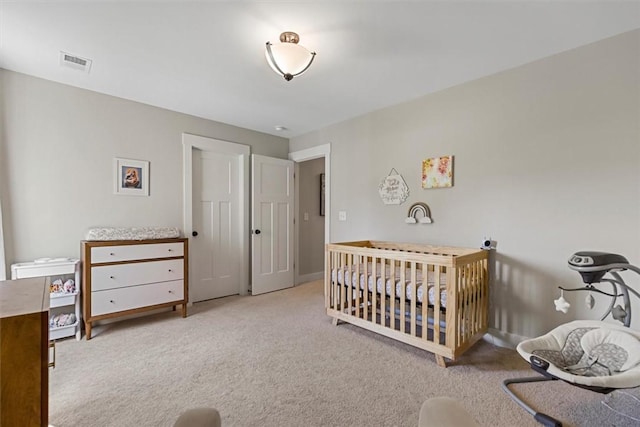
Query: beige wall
(311,230)
(56,170)
(547,162)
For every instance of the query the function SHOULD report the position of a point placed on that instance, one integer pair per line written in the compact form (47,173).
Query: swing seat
(592,354)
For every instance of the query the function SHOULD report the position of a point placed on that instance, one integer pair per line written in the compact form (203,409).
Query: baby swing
(595,355)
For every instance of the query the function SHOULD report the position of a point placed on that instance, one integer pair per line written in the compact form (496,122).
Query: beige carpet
(276,360)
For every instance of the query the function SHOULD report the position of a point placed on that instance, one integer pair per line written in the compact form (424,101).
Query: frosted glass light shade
(288,58)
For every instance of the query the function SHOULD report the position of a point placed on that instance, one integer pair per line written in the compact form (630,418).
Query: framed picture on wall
(437,172)
(131,177)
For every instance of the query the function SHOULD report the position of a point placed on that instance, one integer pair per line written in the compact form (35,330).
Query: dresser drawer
(115,300)
(122,275)
(100,254)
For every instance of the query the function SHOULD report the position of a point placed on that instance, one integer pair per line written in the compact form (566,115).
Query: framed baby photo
(131,177)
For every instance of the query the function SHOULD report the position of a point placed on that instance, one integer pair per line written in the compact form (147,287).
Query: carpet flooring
(277,360)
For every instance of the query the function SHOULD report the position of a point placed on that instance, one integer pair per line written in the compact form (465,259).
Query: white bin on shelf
(61,299)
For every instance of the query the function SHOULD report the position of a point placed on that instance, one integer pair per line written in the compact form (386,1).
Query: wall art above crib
(393,189)
(437,172)
(419,213)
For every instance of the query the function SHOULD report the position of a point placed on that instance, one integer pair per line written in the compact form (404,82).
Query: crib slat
(404,276)
(474,299)
(451,334)
(425,301)
(343,257)
(465,304)
(468,311)
(348,285)
(392,298)
(485,294)
(460,306)
(414,297)
(374,293)
(356,285)
(480,304)
(327,278)
(468,283)
(436,303)
(339,267)
(335,289)
(403,309)
(366,289)
(383,292)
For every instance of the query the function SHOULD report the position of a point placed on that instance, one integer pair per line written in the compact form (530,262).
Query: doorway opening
(310,213)
(312,230)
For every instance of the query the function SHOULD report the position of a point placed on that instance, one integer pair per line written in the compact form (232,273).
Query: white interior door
(272,224)
(216,211)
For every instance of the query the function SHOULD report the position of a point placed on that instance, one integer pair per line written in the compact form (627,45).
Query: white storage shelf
(59,302)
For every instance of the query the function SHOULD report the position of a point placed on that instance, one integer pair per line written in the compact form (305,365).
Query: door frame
(319,151)
(189,142)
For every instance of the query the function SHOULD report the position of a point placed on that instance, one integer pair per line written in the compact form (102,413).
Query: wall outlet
(342,215)
(306,216)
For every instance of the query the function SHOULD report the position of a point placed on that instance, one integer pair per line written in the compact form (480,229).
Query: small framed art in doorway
(322,188)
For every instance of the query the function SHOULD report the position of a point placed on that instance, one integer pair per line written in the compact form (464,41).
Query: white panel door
(216,250)
(272,224)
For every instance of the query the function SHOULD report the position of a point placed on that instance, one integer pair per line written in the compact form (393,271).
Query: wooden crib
(431,297)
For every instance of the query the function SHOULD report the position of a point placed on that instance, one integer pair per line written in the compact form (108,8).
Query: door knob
(257,231)
(194,233)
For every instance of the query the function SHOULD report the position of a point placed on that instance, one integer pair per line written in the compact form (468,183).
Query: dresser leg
(87,330)
(174,308)
(184,310)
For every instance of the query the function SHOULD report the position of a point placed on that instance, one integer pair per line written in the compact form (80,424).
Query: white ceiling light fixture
(288,58)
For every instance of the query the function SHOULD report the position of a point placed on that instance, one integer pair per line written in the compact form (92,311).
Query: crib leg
(440,361)
(335,321)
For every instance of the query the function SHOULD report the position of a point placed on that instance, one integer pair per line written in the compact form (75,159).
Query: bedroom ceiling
(207,58)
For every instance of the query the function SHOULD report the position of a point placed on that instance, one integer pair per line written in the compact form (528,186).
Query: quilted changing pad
(132,233)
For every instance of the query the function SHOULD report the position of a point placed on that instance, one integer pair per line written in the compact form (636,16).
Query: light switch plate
(342,215)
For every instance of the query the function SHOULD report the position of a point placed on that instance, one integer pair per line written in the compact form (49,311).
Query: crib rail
(361,282)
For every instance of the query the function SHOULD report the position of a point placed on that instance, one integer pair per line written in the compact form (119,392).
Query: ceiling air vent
(73,61)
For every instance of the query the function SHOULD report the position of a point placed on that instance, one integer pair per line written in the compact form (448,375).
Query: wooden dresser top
(23,296)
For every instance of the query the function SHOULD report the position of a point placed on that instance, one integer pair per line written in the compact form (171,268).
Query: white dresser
(130,276)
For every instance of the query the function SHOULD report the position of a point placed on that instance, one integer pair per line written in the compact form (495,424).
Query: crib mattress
(340,274)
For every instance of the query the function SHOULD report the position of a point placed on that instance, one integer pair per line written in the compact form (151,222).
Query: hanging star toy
(562,304)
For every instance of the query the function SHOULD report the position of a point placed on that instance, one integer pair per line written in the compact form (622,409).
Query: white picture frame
(131,177)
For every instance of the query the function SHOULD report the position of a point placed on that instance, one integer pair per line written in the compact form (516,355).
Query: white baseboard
(304,278)
(503,339)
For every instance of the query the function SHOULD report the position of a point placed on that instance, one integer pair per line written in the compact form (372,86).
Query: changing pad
(132,233)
